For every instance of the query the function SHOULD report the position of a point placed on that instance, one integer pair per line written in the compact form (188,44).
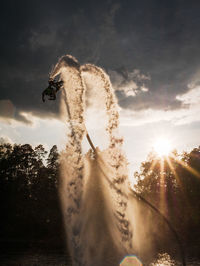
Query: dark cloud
(9,112)
(149,100)
(160,38)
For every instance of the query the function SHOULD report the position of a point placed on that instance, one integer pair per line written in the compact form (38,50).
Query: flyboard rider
(52,89)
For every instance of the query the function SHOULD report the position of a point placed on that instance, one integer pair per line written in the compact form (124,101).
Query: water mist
(93,187)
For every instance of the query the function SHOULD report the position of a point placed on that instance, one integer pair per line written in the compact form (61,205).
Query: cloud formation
(187,114)
(128,83)
(149,48)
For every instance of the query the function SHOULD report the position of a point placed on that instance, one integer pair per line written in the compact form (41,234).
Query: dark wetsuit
(51,90)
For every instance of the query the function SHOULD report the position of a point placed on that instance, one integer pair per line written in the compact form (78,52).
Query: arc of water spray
(111,127)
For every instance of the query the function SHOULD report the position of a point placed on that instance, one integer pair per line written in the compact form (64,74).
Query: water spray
(75,188)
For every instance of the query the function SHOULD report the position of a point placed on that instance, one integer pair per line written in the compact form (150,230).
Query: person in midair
(52,89)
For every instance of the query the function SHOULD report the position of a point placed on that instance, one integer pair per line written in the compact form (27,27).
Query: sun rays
(165,162)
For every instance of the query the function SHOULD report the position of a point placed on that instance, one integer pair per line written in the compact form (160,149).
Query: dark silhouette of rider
(51,90)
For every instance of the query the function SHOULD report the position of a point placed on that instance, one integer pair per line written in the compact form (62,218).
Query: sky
(149,48)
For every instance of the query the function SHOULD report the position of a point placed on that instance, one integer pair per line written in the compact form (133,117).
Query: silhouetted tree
(172,184)
(29,199)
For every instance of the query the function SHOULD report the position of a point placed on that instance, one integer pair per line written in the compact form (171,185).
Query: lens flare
(130,261)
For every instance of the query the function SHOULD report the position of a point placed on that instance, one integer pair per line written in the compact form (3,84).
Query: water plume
(72,160)
(93,187)
(98,205)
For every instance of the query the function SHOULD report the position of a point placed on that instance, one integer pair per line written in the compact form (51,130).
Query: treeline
(30,209)
(172,184)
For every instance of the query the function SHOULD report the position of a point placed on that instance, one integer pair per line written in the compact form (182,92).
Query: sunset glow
(162,147)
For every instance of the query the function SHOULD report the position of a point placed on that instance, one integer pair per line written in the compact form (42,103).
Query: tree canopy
(29,199)
(172,184)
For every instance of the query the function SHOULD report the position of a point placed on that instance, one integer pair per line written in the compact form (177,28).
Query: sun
(162,147)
